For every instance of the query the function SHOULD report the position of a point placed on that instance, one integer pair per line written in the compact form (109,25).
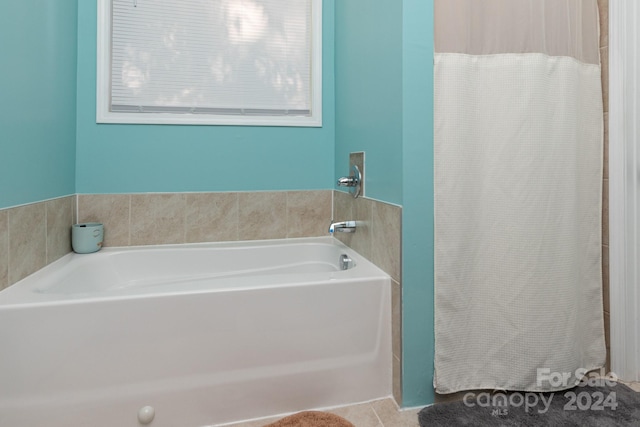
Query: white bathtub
(206,334)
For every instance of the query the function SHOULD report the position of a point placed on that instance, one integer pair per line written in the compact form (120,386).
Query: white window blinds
(225,57)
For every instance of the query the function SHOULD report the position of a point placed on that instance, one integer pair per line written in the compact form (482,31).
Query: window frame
(103,86)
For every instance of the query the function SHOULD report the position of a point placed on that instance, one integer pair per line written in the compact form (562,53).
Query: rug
(607,405)
(312,419)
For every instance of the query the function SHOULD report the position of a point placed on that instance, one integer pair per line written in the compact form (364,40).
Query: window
(227,62)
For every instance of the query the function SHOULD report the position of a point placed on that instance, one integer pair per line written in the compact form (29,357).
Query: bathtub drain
(345,262)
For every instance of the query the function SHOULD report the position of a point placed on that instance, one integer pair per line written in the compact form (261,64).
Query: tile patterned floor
(379,413)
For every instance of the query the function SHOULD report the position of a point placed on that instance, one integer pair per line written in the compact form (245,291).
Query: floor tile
(391,416)
(361,415)
(378,413)
(635,386)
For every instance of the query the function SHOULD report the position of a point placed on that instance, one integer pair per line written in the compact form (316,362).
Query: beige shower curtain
(518,173)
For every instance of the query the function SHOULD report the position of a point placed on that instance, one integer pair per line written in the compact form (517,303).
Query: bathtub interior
(316,339)
(130,271)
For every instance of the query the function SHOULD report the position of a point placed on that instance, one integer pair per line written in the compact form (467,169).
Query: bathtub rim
(23,293)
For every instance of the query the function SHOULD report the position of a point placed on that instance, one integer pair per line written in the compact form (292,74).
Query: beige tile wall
(32,236)
(603,6)
(148,219)
(378,237)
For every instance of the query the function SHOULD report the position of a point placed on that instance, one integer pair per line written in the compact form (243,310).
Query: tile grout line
(380,422)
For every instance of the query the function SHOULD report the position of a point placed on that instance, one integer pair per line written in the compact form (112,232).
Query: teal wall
(164,158)
(417,212)
(38,108)
(369,92)
(384,106)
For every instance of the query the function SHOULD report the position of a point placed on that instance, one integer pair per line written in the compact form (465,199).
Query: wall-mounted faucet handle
(354,182)
(348,181)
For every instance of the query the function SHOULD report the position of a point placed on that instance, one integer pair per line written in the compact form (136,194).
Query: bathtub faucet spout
(343,227)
